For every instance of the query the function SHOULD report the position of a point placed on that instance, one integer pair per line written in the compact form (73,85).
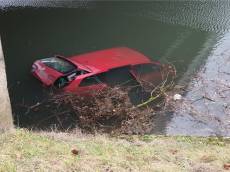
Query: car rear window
(114,77)
(118,77)
(92,80)
(59,64)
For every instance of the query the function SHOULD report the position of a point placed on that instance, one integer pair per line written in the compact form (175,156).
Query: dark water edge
(34,38)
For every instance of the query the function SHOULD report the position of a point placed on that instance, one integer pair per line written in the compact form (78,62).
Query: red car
(96,70)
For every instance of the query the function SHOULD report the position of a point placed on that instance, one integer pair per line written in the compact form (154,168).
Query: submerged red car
(96,70)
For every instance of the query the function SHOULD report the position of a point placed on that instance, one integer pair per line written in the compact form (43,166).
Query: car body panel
(104,60)
(45,74)
(110,63)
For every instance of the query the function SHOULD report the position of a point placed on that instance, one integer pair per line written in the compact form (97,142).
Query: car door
(90,85)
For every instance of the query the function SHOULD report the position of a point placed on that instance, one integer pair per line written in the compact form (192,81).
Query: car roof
(107,59)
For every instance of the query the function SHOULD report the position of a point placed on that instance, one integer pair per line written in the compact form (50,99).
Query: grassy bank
(28,151)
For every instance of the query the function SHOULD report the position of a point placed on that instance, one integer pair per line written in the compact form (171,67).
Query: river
(190,34)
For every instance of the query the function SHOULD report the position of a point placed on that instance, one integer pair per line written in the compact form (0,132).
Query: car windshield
(59,64)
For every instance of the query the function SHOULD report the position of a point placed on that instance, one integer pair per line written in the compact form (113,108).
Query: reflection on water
(205,15)
(182,33)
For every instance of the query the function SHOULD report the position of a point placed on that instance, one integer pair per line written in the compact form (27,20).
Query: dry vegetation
(107,111)
(29,151)
(110,111)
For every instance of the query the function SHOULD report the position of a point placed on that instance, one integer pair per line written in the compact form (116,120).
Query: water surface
(184,33)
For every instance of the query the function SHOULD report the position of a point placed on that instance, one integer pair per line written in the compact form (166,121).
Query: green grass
(29,151)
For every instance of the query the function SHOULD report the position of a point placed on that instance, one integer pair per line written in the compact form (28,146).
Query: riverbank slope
(49,151)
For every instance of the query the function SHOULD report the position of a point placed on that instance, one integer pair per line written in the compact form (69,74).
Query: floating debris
(177,97)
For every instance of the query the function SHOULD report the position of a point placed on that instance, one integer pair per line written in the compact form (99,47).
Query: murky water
(183,33)
(205,109)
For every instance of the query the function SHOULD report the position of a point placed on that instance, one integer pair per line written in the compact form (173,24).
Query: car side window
(92,80)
